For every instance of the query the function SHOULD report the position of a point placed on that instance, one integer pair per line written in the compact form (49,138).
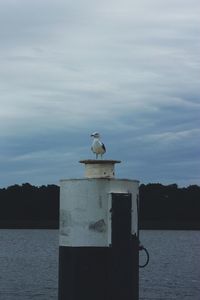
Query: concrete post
(98,253)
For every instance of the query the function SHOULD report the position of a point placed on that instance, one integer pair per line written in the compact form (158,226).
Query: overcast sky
(129,69)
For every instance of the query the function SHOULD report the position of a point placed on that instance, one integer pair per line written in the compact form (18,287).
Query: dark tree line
(27,206)
(165,207)
(169,206)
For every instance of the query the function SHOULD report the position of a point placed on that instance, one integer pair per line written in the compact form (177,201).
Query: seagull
(97,146)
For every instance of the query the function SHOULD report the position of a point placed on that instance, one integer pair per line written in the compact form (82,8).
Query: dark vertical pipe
(103,273)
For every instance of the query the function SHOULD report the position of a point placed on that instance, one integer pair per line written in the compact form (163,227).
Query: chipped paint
(99,226)
(100,201)
(85,204)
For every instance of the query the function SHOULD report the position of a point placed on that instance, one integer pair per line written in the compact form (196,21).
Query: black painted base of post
(99,273)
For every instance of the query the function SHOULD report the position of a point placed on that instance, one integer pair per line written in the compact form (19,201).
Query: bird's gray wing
(103,146)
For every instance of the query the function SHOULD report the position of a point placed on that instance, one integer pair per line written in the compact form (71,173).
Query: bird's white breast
(97,147)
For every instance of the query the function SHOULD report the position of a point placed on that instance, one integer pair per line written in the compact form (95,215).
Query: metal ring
(147,254)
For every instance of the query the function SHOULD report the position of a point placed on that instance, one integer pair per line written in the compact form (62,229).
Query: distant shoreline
(148,225)
(29,225)
(152,225)
(160,207)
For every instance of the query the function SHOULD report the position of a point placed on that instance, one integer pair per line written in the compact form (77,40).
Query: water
(29,265)
(174,269)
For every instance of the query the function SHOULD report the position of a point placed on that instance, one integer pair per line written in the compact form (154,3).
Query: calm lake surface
(29,265)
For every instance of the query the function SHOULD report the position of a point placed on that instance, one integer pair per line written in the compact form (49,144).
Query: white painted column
(86,230)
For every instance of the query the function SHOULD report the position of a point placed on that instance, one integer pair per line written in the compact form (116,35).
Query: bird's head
(95,135)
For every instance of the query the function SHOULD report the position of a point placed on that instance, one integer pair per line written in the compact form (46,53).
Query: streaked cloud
(129,69)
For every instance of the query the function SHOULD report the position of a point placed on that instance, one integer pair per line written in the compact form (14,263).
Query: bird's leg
(96,156)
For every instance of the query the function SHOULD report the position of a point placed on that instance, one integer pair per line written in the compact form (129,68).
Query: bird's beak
(92,134)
